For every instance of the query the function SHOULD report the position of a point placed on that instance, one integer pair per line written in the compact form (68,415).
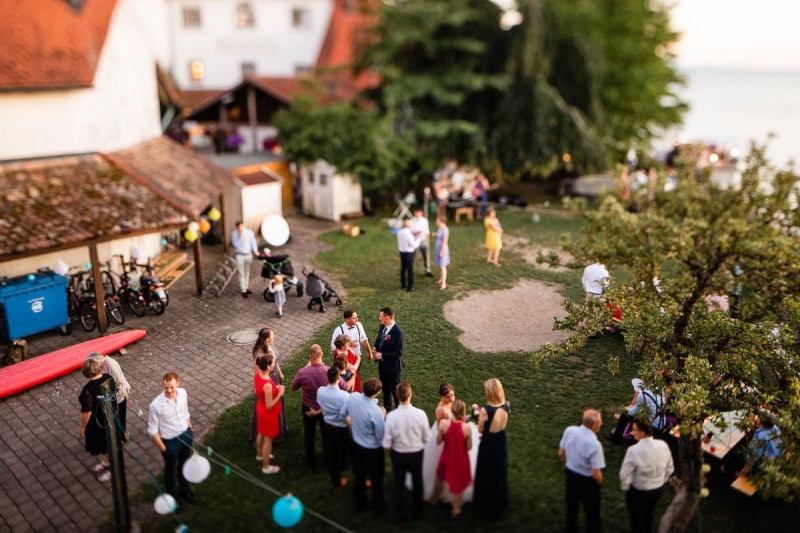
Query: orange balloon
(205,225)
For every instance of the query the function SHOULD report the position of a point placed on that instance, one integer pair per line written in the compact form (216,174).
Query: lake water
(733,107)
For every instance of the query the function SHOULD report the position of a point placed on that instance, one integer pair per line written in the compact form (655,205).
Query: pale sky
(750,34)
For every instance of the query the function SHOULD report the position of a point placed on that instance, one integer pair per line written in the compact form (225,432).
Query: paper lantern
(61,268)
(194,226)
(205,225)
(190,235)
(275,230)
(287,511)
(214,214)
(196,469)
(165,504)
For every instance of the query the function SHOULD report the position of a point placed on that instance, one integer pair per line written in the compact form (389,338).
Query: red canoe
(31,372)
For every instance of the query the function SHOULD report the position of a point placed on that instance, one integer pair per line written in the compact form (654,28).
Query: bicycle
(124,290)
(111,303)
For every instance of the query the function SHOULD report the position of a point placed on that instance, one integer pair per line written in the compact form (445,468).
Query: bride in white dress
(432,451)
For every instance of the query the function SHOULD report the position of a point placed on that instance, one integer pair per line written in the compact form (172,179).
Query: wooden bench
(463,211)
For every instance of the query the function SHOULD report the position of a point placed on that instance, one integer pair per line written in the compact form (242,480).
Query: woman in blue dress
(441,254)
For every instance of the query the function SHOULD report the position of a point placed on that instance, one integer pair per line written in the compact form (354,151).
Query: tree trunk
(682,507)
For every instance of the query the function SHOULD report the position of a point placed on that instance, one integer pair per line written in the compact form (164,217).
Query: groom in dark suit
(388,353)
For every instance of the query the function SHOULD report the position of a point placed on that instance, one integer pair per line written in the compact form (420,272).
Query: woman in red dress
(268,410)
(353,360)
(454,467)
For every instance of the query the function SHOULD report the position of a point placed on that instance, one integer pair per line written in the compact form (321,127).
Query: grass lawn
(543,401)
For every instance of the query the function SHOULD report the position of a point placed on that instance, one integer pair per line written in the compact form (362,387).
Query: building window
(191,17)
(244,16)
(248,69)
(300,18)
(311,178)
(303,69)
(197,70)
(323,179)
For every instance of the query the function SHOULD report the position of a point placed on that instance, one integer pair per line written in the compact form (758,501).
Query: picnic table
(725,432)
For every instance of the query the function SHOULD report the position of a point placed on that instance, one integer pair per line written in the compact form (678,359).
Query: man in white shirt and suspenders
(353,329)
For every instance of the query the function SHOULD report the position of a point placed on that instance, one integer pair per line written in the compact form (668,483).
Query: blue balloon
(163,242)
(287,511)
(88,265)
(31,277)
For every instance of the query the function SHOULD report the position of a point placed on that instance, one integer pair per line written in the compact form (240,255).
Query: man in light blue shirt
(367,424)
(583,455)
(244,245)
(332,399)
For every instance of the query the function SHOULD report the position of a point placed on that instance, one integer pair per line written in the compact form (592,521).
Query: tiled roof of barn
(70,201)
(185,179)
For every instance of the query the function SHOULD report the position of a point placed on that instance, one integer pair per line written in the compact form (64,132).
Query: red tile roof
(348,33)
(284,89)
(198,98)
(71,201)
(186,180)
(45,44)
(257,178)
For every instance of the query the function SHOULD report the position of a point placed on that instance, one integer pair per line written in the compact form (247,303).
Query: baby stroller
(279,264)
(319,291)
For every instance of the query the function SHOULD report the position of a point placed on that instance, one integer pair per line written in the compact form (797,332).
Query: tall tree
(596,78)
(702,240)
(442,63)
(356,141)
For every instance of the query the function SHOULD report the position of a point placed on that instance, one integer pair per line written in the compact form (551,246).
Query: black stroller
(279,264)
(319,291)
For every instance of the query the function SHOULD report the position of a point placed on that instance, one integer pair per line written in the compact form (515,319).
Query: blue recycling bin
(32,304)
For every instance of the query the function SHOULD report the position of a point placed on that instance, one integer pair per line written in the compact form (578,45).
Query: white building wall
(258,201)
(273,44)
(149,245)
(121,109)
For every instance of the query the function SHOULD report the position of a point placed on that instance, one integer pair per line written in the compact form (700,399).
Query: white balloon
(61,268)
(196,469)
(194,226)
(136,253)
(165,504)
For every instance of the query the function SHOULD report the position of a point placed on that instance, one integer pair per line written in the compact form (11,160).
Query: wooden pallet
(176,273)
(167,262)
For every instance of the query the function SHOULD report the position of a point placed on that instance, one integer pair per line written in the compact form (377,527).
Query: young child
(276,288)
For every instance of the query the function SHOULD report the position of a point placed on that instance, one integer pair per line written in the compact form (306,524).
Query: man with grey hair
(583,456)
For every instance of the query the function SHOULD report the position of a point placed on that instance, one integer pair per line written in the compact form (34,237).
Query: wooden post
(252,116)
(198,265)
(226,231)
(119,487)
(99,293)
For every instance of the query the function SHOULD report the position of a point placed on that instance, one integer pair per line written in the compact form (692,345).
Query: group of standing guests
(414,236)
(436,462)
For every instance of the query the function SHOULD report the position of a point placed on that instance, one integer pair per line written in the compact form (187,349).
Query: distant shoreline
(683,69)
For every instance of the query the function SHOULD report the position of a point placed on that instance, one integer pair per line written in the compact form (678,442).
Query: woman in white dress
(432,451)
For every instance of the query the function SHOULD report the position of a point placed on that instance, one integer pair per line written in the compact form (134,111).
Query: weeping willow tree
(589,78)
(703,240)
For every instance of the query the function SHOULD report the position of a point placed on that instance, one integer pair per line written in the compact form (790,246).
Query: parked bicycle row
(150,294)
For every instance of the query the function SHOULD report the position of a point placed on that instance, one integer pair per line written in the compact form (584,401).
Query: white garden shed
(329,195)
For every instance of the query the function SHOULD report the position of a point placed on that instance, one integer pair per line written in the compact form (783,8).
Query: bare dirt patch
(529,253)
(516,319)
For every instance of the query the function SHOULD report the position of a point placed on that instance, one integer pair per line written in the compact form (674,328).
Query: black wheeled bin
(33,304)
